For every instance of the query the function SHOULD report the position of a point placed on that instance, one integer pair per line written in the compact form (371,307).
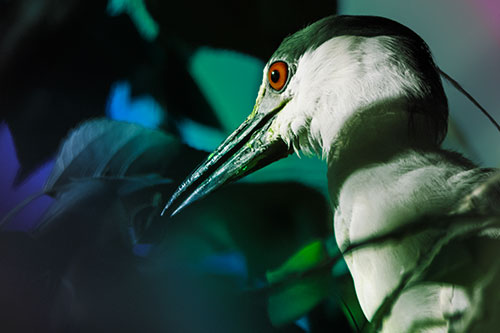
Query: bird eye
(277,75)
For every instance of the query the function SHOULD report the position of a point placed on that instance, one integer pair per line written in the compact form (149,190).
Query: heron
(364,94)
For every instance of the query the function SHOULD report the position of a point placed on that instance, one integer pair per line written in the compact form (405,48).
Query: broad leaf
(298,286)
(110,148)
(297,297)
(311,255)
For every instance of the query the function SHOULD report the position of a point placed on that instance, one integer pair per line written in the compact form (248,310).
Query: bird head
(329,88)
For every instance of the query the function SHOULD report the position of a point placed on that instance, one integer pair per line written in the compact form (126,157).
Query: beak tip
(169,207)
(183,205)
(175,212)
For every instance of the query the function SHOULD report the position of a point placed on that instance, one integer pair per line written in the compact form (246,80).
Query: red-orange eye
(277,75)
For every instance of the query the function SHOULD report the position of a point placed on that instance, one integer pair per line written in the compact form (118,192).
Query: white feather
(334,82)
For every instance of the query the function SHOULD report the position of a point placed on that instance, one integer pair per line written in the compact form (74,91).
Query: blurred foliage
(139,14)
(58,59)
(110,181)
(101,258)
(295,297)
(103,251)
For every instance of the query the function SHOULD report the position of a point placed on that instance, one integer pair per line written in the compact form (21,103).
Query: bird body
(383,196)
(364,94)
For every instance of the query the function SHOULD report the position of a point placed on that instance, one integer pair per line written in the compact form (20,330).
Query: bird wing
(468,260)
(484,199)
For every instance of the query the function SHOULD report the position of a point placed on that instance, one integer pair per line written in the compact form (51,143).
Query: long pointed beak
(248,149)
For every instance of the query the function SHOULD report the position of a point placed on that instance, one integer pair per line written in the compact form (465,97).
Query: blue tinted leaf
(109,148)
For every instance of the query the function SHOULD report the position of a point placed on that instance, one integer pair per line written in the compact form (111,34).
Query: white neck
(350,87)
(373,136)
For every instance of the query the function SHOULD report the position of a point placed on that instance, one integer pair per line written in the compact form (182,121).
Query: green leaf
(136,9)
(299,284)
(296,297)
(307,258)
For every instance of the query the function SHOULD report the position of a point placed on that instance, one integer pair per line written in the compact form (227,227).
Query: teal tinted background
(464,38)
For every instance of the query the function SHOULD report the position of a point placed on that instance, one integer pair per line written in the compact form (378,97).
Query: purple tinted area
(11,196)
(142,250)
(490,10)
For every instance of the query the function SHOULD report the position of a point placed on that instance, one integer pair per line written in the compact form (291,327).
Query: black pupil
(275,76)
